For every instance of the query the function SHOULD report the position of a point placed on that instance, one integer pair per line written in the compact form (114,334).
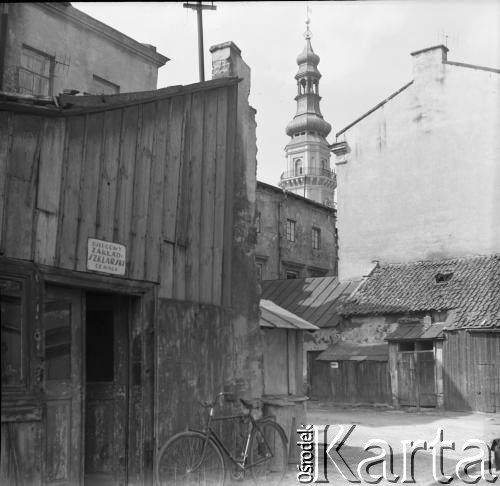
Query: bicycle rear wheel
(179,462)
(268,453)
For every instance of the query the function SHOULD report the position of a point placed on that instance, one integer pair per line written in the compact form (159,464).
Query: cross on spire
(308,33)
(199,7)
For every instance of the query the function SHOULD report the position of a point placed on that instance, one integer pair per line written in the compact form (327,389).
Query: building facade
(296,236)
(127,288)
(308,170)
(46,48)
(418,175)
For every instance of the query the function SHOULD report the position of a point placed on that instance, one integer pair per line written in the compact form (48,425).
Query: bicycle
(196,457)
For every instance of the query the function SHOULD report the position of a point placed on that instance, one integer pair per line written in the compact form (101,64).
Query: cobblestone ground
(394,426)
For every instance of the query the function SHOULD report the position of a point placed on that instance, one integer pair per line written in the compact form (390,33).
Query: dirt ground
(393,426)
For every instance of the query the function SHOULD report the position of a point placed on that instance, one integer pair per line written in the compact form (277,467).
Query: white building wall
(422,179)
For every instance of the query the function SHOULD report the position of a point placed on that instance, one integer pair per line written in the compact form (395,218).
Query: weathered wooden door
(106,390)
(62,324)
(416,379)
(406,379)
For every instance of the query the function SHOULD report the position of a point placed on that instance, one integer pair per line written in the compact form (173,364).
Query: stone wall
(276,253)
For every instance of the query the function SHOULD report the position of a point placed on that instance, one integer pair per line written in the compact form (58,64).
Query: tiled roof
(471,286)
(315,299)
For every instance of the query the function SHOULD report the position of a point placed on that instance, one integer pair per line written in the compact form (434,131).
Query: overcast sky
(364,48)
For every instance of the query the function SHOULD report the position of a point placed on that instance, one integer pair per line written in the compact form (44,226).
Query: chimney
(227,61)
(429,60)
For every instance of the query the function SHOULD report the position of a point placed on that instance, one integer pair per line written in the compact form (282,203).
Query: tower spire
(308,154)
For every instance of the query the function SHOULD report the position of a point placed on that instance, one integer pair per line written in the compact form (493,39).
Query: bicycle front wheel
(268,453)
(181,462)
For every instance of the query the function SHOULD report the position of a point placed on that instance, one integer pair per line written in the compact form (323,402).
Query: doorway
(106,389)
(86,386)
(416,374)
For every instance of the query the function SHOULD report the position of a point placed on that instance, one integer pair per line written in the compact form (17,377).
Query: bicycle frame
(210,434)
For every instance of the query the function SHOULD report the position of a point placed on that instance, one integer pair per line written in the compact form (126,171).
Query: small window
(316,238)
(12,303)
(298,167)
(259,271)
(443,277)
(35,72)
(290,230)
(257,222)
(426,345)
(103,86)
(291,274)
(57,323)
(439,316)
(407,346)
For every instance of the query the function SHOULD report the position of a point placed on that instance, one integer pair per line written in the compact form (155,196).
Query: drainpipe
(3,42)
(279,239)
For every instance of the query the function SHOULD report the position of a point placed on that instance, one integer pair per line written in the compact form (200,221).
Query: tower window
(298,167)
(316,238)
(290,230)
(257,222)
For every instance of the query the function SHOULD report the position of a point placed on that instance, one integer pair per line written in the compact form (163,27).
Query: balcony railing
(308,171)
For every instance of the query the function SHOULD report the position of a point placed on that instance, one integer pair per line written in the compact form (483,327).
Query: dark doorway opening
(106,388)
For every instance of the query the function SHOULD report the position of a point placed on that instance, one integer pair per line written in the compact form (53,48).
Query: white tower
(308,170)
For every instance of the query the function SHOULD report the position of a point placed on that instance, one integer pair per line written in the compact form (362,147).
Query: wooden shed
(283,336)
(349,372)
(118,269)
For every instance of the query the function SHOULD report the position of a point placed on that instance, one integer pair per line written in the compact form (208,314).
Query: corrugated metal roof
(416,330)
(349,351)
(315,299)
(469,285)
(274,316)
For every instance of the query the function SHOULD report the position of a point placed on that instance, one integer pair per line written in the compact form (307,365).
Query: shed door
(106,390)
(62,324)
(416,379)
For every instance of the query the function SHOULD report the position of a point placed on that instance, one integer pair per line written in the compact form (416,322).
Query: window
(35,72)
(298,166)
(443,277)
(257,221)
(12,320)
(316,238)
(259,271)
(103,86)
(291,274)
(290,230)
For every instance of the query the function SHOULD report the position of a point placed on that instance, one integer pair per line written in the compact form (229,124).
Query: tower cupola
(308,155)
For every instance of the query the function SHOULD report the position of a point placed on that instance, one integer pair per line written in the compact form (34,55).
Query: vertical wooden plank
(49,189)
(181,219)
(206,245)
(21,190)
(141,191)
(228,203)
(70,197)
(50,165)
(109,174)
(197,143)
(6,128)
(157,188)
(291,361)
(220,189)
(173,169)
(87,212)
(125,183)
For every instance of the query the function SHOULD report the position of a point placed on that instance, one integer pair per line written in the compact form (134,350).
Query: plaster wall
(79,50)
(423,176)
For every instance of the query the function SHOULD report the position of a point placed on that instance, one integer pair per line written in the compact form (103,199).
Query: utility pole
(199,7)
